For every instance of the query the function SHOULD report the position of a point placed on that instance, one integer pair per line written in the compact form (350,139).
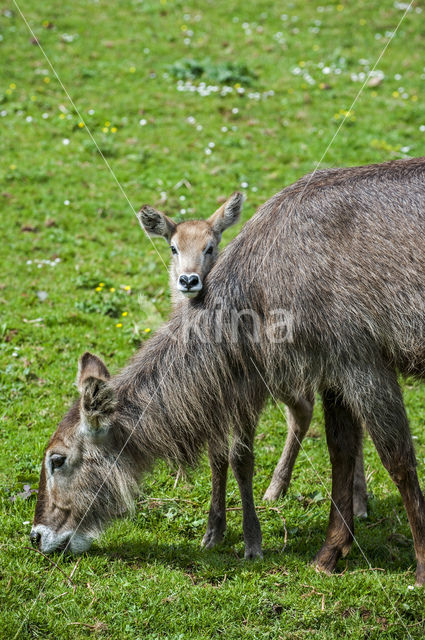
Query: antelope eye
(173,250)
(57,460)
(209,250)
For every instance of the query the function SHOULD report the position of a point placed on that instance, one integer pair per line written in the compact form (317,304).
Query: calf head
(83,483)
(193,243)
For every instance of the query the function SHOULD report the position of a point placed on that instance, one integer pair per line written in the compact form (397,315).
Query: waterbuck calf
(194,247)
(340,255)
(193,244)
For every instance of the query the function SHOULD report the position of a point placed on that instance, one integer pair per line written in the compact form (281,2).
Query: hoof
(360,507)
(253,553)
(325,561)
(420,576)
(275,491)
(212,538)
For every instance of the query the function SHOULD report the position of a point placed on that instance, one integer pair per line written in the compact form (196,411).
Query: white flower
(65,141)
(208,152)
(211,145)
(244,185)
(235,110)
(28,118)
(66,202)
(45,116)
(142,122)
(90,112)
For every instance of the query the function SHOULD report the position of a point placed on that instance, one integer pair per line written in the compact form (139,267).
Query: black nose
(184,281)
(193,281)
(35,538)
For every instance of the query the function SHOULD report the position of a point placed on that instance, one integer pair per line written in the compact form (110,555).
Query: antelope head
(193,243)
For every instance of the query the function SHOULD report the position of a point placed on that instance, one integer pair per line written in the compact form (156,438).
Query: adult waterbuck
(339,256)
(194,247)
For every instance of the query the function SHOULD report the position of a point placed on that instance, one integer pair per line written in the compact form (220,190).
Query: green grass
(146,577)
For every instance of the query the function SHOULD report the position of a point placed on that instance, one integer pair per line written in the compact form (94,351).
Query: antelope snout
(189,283)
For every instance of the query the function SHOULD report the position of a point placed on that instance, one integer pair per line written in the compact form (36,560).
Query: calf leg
(242,462)
(219,463)
(298,417)
(343,435)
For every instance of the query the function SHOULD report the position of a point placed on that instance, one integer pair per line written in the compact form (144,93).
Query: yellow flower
(362,21)
(105,129)
(339,7)
(107,123)
(414,98)
(113,129)
(33,98)
(62,116)
(119,325)
(147,330)
(98,289)
(183,27)
(315,47)
(132,69)
(13,167)
(112,289)
(127,288)
(81,125)
(124,313)
(8,91)
(12,85)
(46,80)
(101,284)
(301,63)
(395,94)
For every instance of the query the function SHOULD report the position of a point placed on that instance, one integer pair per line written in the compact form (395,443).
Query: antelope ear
(228,214)
(90,366)
(98,400)
(156,223)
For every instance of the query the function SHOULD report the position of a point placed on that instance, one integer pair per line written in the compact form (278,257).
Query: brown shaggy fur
(342,252)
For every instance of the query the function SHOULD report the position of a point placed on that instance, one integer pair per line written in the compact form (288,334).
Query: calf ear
(98,400)
(156,223)
(228,214)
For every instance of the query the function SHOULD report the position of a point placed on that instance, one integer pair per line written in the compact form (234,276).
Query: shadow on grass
(384,538)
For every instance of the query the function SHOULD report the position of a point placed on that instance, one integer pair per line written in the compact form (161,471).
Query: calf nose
(193,281)
(184,281)
(35,538)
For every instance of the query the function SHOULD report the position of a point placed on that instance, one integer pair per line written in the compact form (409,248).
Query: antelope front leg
(299,417)
(242,462)
(219,463)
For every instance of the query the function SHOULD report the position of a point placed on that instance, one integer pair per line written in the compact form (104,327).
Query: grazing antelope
(340,255)
(194,248)
(193,244)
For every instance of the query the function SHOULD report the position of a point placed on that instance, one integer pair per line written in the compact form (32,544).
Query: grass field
(292,71)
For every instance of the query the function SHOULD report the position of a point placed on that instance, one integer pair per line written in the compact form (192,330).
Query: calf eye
(173,250)
(209,250)
(57,460)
